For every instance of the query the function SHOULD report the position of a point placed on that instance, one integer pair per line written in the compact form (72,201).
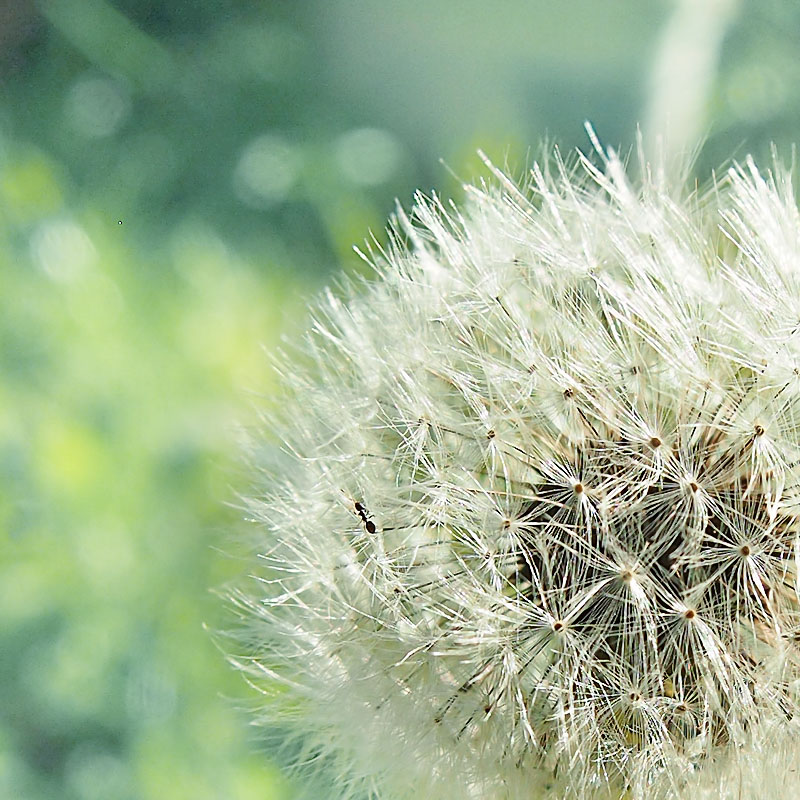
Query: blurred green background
(176,180)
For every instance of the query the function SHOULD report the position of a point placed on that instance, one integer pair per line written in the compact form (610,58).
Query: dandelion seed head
(537,528)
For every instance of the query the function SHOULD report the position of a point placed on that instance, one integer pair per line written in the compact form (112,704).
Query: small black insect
(369,525)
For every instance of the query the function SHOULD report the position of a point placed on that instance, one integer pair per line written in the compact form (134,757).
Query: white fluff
(537,532)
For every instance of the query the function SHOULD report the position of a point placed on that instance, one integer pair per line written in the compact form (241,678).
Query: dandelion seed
(538,529)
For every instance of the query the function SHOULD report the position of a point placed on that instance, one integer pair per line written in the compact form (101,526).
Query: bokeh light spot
(268,168)
(97,106)
(62,249)
(368,156)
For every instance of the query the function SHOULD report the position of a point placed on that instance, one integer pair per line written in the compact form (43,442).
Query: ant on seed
(369,525)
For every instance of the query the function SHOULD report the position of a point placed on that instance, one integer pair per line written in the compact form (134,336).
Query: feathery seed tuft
(537,529)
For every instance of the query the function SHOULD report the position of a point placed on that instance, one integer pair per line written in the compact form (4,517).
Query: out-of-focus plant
(116,411)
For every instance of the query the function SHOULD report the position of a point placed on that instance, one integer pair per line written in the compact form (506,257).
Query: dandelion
(537,527)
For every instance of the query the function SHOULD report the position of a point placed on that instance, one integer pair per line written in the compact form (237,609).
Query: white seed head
(537,529)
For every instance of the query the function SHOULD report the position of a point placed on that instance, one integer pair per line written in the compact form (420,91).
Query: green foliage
(117,441)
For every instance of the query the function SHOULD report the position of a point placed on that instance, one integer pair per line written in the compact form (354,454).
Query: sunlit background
(177,179)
